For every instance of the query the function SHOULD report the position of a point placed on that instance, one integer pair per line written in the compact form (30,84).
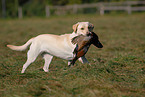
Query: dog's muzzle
(89,33)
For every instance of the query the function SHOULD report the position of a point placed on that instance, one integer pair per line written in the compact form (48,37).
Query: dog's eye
(82,28)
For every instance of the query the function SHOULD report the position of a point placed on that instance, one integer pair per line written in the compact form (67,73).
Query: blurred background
(46,8)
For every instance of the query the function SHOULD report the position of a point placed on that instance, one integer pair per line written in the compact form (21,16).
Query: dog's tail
(21,48)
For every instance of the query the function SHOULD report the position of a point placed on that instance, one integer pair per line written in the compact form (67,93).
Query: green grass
(117,70)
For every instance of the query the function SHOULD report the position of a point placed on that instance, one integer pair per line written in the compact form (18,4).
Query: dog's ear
(91,25)
(75,27)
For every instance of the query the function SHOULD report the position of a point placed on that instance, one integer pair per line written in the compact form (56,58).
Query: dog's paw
(46,70)
(70,66)
(22,72)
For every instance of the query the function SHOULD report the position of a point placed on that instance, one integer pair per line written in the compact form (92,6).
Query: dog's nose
(88,33)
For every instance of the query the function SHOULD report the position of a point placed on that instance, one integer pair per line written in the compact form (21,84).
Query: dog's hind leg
(31,56)
(47,59)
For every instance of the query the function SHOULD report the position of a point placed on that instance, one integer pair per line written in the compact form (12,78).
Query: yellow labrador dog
(49,45)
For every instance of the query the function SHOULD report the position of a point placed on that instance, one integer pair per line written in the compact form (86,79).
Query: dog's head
(83,28)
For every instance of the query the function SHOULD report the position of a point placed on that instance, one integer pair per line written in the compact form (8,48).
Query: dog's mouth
(89,33)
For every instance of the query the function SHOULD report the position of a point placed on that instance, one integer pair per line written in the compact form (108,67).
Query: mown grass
(117,70)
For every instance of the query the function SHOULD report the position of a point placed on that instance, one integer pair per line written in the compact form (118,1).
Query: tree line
(37,7)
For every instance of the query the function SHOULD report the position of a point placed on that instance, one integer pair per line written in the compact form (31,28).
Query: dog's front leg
(47,59)
(83,60)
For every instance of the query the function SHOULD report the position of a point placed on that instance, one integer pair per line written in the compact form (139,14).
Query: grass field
(117,70)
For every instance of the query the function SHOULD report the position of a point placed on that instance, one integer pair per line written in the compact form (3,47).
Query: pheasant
(82,45)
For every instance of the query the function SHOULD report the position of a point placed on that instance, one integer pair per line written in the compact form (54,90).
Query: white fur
(49,45)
